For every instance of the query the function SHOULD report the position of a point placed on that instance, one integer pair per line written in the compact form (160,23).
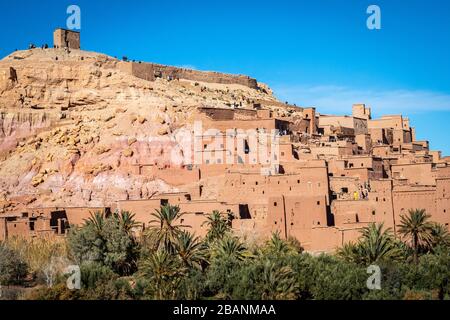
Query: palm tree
(379,244)
(126,221)
(165,273)
(278,283)
(165,226)
(351,252)
(375,245)
(97,220)
(190,250)
(218,226)
(276,245)
(229,247)
(417,229)
(439,235)
(295,244)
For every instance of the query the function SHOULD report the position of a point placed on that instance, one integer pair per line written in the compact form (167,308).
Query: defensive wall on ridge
(152,71)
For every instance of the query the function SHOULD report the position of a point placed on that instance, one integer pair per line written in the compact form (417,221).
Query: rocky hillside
(73,125)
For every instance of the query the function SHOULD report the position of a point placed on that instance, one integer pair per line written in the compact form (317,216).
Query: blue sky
(312,53)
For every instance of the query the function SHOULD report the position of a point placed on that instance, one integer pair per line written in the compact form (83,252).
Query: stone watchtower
(63,38)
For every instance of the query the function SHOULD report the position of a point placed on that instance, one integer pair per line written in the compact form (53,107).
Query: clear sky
(312,53)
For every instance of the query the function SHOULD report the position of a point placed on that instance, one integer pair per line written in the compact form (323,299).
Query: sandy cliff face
(73,126)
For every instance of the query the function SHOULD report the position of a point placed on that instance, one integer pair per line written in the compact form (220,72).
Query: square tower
(63,38)
(361,111)
(309,114)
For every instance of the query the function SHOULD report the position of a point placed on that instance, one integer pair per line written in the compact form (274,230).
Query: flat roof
(64,29)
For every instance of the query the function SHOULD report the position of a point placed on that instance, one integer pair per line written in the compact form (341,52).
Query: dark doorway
(244,213)
(57,220)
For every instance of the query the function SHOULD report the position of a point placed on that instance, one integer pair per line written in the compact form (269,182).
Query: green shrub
(86,244)
(13,269)
(94,273)
(57,292)
(193,286)
(221,276)
(265,279)
(114,289)
(106,241)
(432,273)
(337,280)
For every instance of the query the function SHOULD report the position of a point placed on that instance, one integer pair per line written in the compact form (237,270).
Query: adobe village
(83,132)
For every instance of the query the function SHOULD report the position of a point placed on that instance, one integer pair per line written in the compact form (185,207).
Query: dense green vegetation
(169,262)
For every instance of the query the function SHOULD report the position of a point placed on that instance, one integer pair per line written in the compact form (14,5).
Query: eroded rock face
(16,126)
(73,126)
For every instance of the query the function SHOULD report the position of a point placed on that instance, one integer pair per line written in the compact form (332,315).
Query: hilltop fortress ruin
(84,132)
